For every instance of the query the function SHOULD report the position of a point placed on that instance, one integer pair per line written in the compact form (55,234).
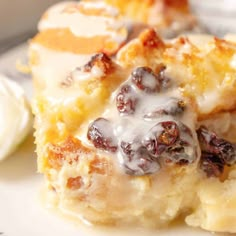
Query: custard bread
(141,137)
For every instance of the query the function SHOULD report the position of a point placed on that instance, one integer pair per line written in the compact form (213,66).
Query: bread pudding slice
(91,151)
(134,139)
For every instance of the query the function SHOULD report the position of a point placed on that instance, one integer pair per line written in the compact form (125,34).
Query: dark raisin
(163,78)
(180,153)
(172,106)
(136,159)
(172,142)
(102,61)
(212,164)
(126,100)
(129,149)
(100,133)
(211,143)
(145,79)
(160,137)
(183,151)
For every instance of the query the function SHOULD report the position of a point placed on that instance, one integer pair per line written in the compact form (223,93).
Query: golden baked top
(205,71)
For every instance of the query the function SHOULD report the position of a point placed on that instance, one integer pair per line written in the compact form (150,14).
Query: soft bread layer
(93,189)
(216,206)
(216,211)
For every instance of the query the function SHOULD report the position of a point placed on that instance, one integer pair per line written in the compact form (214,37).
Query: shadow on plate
(21,164)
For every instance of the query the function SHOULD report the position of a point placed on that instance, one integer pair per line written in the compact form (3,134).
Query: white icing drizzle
(123,124)
(80,75)
(82,25)
(128,127)
(53,66)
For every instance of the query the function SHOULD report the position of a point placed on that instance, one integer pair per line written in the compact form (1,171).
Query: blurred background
(217,16)
(18,20)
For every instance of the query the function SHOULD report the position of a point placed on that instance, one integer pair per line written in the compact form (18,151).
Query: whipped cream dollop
(15,116)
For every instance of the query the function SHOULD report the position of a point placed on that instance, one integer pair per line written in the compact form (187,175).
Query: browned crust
(149,50)
(70,151)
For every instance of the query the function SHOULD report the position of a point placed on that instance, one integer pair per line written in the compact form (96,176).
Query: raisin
(160,137)
(183,151)
(180,153)
(164,80)
(172,106)
(212,164)
(136,159)
(102,61)
(211,143)
(145,79)
(126,100)
(100,133)
(172,142)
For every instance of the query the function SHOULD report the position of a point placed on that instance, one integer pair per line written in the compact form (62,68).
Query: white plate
(22,213)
